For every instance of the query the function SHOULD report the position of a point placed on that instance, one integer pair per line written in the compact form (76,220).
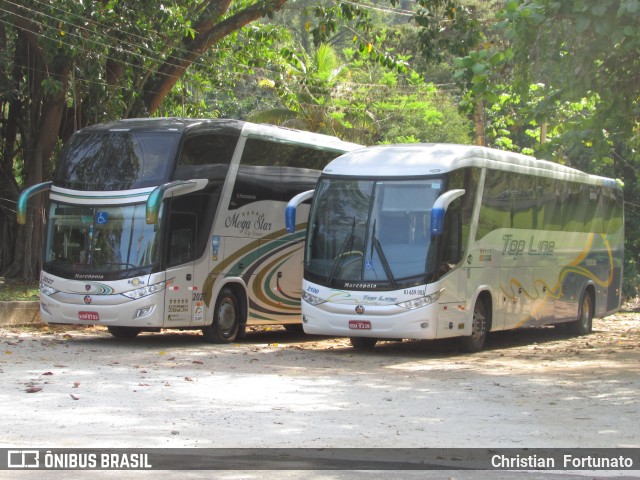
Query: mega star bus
(177,223)
(433,241)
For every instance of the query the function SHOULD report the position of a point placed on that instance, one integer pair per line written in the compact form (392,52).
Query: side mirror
(290,212)
(440,208)
(171,189)
(24,197)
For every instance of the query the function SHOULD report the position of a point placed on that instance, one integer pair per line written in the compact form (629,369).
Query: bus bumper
(388,322)
(144,312)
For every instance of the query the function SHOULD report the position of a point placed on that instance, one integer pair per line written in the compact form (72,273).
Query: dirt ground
(528,388)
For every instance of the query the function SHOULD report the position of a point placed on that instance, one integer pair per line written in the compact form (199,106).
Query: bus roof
(422,159)
(221,125)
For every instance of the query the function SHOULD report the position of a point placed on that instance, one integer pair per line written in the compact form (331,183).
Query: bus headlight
(144,291)
(47,290)
(144,311)
(312,299)
(421,301)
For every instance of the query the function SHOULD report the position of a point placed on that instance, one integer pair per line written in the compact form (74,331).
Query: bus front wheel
(584,324)
(123,332)
(226,319)
(363,343)
(474,342)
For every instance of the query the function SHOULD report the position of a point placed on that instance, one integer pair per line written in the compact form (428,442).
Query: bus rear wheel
(226,319)
(363,343)
(474,342)
(584,324)
(123,332)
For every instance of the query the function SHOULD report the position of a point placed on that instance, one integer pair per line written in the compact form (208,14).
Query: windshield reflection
(105,239)
(371,231)
(109,161)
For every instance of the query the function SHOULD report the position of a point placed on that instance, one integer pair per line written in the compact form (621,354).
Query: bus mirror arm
(290,212)
(440,208)
(171,189)
(24,197)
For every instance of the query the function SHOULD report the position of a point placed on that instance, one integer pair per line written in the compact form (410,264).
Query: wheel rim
(227,317)
(478,329)
(586,312)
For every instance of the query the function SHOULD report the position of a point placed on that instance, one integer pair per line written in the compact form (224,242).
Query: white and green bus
(177,223)
(433,241)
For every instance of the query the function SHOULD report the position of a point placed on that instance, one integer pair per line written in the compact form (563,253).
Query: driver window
(182,236)
(451,243)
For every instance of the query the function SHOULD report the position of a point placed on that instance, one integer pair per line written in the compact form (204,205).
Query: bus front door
(180,256)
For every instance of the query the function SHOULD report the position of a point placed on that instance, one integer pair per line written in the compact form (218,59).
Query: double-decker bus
(177,223)
(434,241)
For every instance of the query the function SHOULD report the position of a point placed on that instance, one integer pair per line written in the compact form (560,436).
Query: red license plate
(88,316)
(359,324)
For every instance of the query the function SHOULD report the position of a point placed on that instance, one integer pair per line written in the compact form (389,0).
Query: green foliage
(18,291)
(447,27)
(569,68)
(353,95)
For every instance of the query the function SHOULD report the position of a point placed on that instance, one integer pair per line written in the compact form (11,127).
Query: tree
(583,58)
(72,63)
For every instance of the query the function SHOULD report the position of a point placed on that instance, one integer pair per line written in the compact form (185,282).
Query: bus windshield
(122,160)
(100,239)
(373,231)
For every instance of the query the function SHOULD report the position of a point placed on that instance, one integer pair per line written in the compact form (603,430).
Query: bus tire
(226,319)
(363,343)
(123,332)
(293,327)
(584,324)
(474,342)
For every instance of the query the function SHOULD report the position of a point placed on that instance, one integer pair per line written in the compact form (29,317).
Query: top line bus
(435,241)
(177,223)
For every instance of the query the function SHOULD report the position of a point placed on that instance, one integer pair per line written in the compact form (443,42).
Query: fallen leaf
(74,396)
(198,362)
(47,373)
(33,389)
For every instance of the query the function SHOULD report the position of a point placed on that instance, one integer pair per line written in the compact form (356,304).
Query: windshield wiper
(375,243)
(346,246)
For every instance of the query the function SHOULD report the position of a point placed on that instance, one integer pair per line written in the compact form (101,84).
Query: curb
(19,313)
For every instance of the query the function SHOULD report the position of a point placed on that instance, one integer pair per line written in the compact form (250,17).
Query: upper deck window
(109,161)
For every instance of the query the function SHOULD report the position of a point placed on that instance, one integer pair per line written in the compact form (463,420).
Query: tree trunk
(10,261)
(40,136)
(479,121)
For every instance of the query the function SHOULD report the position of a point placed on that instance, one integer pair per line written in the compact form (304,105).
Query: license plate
(359,324)
(88,316)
